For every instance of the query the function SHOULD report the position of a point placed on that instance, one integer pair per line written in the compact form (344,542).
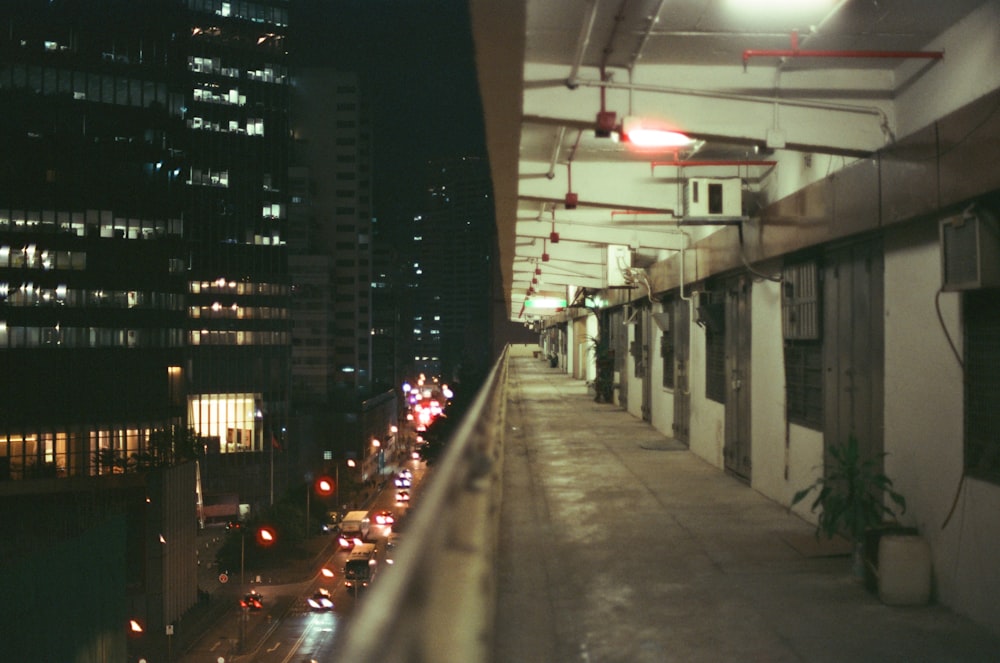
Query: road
(286,630)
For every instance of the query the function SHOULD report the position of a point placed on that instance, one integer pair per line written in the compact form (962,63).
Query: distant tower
(451,319)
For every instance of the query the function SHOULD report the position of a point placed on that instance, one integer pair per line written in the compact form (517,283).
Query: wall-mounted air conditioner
(619,260)
(970,250)
(706,198)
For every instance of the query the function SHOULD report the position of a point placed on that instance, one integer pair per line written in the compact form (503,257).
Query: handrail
(437,602)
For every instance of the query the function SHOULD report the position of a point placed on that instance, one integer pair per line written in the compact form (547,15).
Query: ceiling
(750,85)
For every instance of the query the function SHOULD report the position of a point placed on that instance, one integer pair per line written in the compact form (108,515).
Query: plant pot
(873,538)
(904,576)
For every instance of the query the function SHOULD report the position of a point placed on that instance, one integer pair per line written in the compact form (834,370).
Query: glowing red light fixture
(266,535)
(651,134)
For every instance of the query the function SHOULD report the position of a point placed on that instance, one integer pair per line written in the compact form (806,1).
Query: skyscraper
(144,283)
(452,239)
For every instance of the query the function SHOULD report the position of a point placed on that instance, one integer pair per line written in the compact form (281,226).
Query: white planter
(904,570)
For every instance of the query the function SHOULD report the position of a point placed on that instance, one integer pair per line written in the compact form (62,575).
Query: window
(800,323)
(667,354)
(711,315)
(982,392)
(804,383)
(715,365)
(637,349)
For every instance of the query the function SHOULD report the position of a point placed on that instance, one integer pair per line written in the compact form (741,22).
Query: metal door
(853,346)
(681,330)
(736,450)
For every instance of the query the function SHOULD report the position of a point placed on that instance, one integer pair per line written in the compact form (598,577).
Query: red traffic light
(324,486)
(266,535)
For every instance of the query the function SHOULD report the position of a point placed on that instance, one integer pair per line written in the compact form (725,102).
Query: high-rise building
(143,271)
(331,247)
(144,285)
(451,269)
(340,407)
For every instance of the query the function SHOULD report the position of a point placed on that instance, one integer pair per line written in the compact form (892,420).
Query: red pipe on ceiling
(795,52)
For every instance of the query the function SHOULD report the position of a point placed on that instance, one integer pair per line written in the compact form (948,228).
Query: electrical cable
(746,263)
(961,365)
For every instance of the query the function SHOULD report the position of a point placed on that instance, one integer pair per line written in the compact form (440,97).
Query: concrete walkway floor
(619,545)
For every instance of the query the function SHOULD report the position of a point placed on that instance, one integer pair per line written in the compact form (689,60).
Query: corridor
(620,545)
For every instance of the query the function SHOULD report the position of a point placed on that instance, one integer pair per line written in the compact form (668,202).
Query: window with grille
(715,365)
(667,354)
(800,312)
(804,383)
(982,384)
(636,349)
(800,323)
(711,316)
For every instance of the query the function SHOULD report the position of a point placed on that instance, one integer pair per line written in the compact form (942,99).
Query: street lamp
(323,487)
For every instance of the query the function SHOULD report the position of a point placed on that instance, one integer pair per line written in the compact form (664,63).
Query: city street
(287,626)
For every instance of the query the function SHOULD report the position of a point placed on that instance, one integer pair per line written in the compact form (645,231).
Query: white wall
(708,430)
(767,390)
(662,399)
(967,71)
(924,428)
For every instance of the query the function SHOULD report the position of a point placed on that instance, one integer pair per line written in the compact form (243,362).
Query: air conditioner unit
(706,198)
(619,259)
(970,250)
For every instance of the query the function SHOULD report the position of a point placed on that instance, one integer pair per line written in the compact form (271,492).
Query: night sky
(415,58)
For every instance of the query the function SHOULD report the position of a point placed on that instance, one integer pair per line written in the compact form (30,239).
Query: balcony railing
(437,601)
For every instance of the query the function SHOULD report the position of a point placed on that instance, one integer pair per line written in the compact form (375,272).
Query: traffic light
(325,486)
(266,535)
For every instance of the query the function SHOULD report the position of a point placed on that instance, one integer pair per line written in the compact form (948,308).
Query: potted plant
(851,493)
(604,358)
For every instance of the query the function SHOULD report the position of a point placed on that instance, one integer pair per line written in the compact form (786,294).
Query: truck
(354,527)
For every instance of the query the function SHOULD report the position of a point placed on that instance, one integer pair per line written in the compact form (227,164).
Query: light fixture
(605,125)
(649,133)
(572,198)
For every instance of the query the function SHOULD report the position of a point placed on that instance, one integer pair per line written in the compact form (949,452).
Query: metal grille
(800,302)
(982,388)
(637,345)
(804,383)
(667,354)
(715,365)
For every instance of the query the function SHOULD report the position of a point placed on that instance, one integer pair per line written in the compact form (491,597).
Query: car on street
(252,600)
(320,601)
(384,517)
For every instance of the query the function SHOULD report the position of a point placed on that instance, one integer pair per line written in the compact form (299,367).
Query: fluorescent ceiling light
(646,133)
(545,302)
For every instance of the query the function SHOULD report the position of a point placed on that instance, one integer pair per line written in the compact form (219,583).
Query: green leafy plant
(851,494)
(604,358)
